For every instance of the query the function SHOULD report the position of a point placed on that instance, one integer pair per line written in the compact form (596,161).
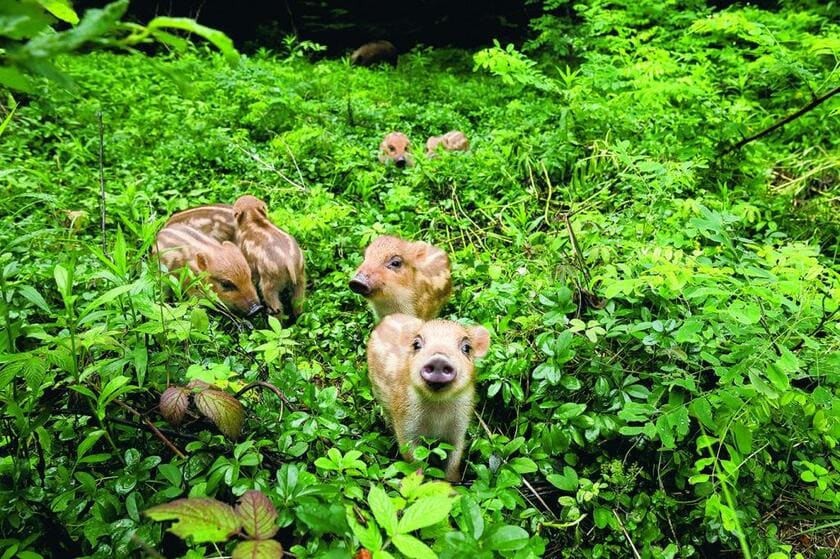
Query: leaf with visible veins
(173,404)
(222,409)
(204,520)
(258,515)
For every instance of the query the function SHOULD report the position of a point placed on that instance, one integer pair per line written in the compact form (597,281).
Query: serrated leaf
(410,483)
(173,404)
(413,548)
(204,520)
(258,515)
(383,509)
(222,409)
(368,533)
(425,512)
(258,549)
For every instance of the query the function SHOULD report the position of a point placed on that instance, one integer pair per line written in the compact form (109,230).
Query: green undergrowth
(664,370)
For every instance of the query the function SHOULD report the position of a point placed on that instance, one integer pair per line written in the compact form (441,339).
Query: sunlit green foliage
(671,385)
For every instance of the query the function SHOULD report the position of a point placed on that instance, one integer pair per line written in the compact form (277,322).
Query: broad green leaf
(743,437)
(367,532)
(217,38)
(383,509)
(568,481)
(31,294)
(745,312)
(507,538)
(425,512)
(258,515)
(471,513)
(204,520)
(413,548)
(62,9)
(88,442)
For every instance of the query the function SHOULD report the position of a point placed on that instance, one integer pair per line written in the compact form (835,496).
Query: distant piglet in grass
(275,258)
(451,141)
(374,53)
(228,274)
(399,276)
(396,148)
(423,374)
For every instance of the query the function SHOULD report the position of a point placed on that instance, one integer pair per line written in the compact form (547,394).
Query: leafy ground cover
(664,371)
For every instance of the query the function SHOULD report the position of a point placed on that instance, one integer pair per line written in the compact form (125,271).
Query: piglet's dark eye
(391,148)
(395,263)
(466,348)
(417,344)
(227,285)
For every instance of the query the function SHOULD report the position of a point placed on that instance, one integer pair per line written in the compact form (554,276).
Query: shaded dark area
(341,27)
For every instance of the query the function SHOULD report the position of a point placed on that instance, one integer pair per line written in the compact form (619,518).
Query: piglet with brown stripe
(401,276)
(423,375)
(451,141)
(275,258)
(214,220)
(228,274)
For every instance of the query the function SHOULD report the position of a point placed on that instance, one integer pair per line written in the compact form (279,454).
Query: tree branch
(807,108)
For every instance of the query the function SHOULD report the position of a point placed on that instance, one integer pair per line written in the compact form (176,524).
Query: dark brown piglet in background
(374,53)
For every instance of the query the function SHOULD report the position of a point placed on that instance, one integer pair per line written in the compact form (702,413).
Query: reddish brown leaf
(222,409)
(259,517)
(258,549)
(173,404)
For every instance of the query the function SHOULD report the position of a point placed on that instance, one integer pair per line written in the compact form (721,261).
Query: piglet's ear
(229,245)
(421,251)
(480,338)
(201,261)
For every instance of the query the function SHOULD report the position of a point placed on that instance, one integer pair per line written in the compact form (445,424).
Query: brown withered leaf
(173,404)
(258,549)
(258,515)
(222,409)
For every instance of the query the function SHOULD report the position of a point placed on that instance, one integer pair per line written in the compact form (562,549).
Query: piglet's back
(214,220)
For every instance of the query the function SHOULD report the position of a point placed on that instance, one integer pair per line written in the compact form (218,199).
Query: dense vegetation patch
(664,371)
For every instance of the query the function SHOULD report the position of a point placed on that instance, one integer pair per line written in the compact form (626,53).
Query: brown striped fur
(275,257)
(399,276)
(214,220)
(400,349)
(451,141)
(228,274)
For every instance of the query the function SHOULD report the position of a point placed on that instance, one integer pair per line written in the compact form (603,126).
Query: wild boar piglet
(399,276)
(214,220)
(228,274)
(275,257)
(423,375)
(396,148)
(451,141)
(373,53)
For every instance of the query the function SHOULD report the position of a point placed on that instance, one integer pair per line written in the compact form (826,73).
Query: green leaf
(258,549)
(88,442)
(413,548)
(60,9)
(383,509)
(171,473)
(471,514)
(743,437)
(217,38)
(603,517)
(508,538)
(31,294)
(258,515)
(425,512)
(745,312)
(367,532)
(204,520)
(568,481)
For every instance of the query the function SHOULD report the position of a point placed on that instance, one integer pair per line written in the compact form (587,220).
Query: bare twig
(807,108)
(269,166)
(576,250)
(825,318)
(626,535)
(271,387)
(102,182)
(152,427)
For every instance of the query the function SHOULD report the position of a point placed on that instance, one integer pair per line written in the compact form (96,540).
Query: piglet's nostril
(400,162)
(438,373)
(360,286)
(255,308)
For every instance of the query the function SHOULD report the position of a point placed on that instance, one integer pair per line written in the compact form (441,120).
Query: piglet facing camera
(423,375)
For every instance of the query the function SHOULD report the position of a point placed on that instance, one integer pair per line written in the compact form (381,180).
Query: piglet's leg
(271,297)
